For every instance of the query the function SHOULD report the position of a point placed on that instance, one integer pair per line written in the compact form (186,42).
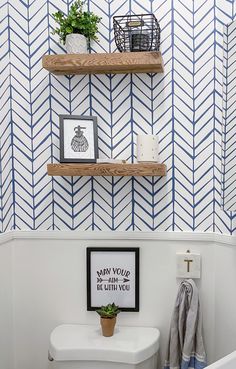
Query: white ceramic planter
(76,44)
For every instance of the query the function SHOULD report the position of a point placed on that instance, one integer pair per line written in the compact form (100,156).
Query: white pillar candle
(147,148)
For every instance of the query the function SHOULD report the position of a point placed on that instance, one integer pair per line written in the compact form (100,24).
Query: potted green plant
(108,315)
(76,29)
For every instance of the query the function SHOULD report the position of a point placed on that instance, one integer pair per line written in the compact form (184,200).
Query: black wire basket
(137,33)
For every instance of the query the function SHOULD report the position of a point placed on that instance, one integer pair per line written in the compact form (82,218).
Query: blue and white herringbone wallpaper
(229,119)
(183,106)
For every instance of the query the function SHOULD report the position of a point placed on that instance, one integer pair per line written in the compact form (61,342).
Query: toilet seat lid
(130,345)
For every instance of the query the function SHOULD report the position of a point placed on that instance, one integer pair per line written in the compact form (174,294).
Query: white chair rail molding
(117,184)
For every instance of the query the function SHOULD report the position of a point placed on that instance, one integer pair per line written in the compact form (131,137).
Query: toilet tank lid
(130,345)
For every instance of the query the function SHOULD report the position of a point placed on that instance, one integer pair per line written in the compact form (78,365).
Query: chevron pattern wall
(6,193)
(225,12)
(229,114)
(183,107)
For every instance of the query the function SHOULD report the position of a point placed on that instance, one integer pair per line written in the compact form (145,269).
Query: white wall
(225,306)
(6,332)
(50,289)
(48,272)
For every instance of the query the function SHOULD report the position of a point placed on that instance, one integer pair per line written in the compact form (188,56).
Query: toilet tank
(84,347)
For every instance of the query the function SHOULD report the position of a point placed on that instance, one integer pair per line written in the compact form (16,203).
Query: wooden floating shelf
(137,62)
(106,169)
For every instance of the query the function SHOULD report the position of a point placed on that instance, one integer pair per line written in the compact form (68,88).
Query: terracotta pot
(108,325)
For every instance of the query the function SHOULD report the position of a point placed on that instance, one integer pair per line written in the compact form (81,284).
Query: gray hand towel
(186,347)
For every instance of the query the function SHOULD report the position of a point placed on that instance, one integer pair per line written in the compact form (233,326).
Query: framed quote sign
(113,276)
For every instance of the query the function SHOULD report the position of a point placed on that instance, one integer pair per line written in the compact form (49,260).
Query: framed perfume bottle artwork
(78,139)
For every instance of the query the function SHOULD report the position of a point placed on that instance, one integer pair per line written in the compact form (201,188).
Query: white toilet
(83,347)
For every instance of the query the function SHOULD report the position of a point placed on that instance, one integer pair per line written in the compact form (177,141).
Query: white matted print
(113,276)
(78,139)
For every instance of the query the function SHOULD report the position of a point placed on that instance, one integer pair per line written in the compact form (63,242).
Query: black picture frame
(95,280)
(70,155)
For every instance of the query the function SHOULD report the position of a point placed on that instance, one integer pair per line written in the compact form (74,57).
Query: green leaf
(69,30)
(108,311)
(77,21)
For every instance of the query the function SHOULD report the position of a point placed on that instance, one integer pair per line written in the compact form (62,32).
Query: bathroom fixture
(84,347)
(188,265)
(227,362)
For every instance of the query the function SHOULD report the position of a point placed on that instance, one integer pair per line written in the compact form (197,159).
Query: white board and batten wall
(49,279)
(6,305)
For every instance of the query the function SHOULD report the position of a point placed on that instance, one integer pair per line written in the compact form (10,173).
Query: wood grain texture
(106,170)
(138,62)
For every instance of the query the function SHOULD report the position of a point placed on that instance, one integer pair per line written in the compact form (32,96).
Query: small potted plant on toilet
(108,315)
(76,29)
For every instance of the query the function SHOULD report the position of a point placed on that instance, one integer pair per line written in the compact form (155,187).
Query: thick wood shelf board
(137,62)
(106,170)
